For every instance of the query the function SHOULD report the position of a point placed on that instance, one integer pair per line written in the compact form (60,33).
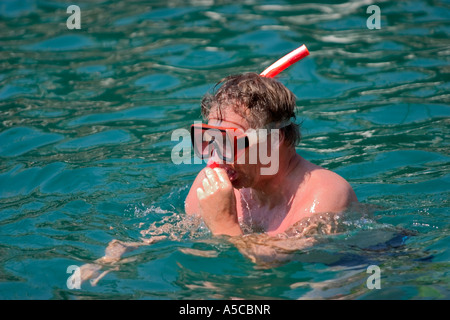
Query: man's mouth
(232,174)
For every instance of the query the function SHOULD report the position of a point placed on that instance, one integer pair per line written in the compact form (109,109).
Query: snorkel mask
(230,143)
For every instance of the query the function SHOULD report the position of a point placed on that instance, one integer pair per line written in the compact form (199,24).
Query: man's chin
(236,184)
(237,179)
(240,183)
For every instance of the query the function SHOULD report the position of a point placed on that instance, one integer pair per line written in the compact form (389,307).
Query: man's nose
(214,158)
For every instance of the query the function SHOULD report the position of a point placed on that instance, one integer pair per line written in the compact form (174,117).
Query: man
(237,194)
(255,195)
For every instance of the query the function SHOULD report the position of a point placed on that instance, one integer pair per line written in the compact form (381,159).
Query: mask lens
(205,140)
(202,147)
(242,144)
(228,143)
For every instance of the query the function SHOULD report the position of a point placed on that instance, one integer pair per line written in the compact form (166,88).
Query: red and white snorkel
(277,67)
(285,62)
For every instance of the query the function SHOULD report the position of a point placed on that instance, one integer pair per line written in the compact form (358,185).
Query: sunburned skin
(268,218)
(234,193)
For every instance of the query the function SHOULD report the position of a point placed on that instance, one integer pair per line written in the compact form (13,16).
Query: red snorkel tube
(285,62)
(275,68)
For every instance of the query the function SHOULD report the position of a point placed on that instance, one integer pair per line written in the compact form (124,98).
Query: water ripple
(86,118)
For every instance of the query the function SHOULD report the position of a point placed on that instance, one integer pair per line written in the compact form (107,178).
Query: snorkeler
(255,181)
(254,112)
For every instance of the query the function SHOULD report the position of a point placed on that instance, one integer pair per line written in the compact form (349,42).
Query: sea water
(85,145)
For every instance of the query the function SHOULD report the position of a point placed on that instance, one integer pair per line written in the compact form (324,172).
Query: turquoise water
(85,144)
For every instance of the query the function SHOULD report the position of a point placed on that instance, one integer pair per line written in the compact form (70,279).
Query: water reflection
(86,119)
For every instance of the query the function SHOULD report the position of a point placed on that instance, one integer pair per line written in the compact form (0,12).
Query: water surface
(85,144)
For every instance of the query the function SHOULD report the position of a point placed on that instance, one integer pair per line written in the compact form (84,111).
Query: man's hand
(218,203)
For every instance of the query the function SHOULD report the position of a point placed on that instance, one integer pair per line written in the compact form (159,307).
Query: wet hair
(260,100)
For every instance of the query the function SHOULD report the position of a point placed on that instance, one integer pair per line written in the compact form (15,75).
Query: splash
(177,227)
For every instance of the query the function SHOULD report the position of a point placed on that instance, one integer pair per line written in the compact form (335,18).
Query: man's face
(242,174)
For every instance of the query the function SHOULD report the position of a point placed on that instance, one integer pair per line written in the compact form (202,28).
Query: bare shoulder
(330,191)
